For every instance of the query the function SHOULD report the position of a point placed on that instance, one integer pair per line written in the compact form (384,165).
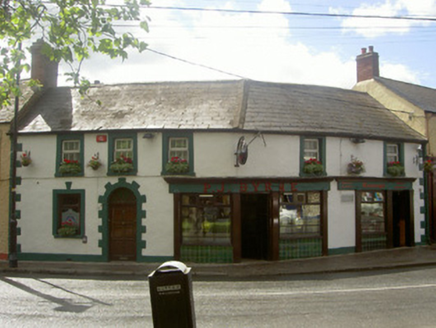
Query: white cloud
(375,27)
(398,72)
(270,53)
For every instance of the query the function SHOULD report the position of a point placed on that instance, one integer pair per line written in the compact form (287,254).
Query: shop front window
(206,219)
(300,214)
(373,220)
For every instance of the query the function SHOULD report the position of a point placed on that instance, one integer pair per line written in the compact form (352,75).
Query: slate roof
(7,112)
(217,105)
(422,97)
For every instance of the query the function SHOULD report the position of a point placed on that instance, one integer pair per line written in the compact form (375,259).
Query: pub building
(216,171)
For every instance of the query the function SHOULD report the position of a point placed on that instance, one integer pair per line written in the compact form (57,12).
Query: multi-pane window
(392,153)
(178,147)
(311,149)
(300,214)
(68,218)
(206,219)
(71,150)
(123,147)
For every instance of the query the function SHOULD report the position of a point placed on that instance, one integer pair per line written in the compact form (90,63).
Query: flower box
(70,167)
(395,169)
(177,165)
(122,165)
(67,230)
(313,167)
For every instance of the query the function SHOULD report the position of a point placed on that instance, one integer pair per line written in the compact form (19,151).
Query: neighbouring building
(45,72)
(413,104)
(216,171)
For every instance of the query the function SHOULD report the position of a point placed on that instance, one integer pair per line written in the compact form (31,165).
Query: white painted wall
(214,157)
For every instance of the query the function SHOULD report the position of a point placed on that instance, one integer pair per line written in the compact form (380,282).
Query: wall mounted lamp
(357,140)
(148,135)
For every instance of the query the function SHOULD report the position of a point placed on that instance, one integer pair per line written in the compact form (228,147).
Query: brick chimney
(367,64)
(43,69)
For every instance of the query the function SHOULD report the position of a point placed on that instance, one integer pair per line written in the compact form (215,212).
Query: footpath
(397,258)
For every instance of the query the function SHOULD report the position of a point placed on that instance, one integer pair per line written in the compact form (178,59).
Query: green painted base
(342,250)
(207,254)
(300,248)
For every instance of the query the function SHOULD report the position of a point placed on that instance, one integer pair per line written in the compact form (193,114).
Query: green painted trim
(19,146)
(55,227)
(111,144)
(422,210)
(341,250)
(18,214)
(59,257)
(18,181)
(165,142)
(18,197)
(322,153)
(64,137)
(244,187)
(421,181)
(104,216)
(385,157)
(18,231)
(422,224)
(374,185)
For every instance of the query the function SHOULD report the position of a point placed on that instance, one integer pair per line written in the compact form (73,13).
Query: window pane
(297,218)
(373,220)
(206,219)
(123,148)
(71,150)
(311,149)
(392,153)
(68,220)
(178,147)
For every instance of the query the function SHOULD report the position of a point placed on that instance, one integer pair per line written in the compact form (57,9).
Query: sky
(274,47)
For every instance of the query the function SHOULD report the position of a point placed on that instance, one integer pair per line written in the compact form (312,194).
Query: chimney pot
(363,51)
(371,48)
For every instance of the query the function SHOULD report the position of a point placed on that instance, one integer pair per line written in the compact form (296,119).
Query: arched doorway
(122,225)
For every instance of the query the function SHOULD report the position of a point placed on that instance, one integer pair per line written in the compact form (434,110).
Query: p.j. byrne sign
(247,187)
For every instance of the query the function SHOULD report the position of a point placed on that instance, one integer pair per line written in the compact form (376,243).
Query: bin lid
(172,266)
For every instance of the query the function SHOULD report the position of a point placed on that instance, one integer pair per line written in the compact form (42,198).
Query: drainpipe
(13,261)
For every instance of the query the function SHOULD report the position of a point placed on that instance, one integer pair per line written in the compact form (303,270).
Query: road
(372,299)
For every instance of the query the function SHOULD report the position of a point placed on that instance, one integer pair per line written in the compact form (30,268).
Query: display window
(206,219)
(300,214)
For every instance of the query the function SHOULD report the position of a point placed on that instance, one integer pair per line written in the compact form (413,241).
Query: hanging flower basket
(70,167)
(355,166)
(313,167)
(177,165)
(395,169)
(122,165)
(94,163)
(25,158)
(429,166)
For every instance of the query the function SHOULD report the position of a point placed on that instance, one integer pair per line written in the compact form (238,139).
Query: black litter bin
(172,301)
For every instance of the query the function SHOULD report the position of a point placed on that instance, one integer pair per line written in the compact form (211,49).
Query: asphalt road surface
(370,299)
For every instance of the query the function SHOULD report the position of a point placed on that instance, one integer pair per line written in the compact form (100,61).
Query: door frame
(103,228)
(130,204)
